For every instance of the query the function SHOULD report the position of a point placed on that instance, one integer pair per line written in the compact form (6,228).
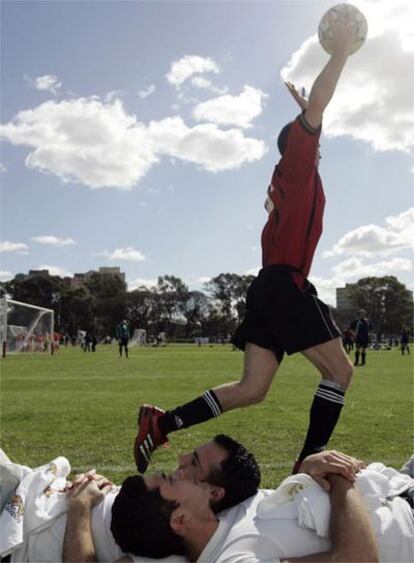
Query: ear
(216,493)
(179,521)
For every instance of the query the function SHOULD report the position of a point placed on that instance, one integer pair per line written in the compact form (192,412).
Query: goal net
(25,327)
(139,338)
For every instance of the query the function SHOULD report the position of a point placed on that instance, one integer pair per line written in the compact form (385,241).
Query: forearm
(351,531)
(78,543)
(324,86)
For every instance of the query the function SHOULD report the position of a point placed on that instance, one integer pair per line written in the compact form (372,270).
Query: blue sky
(142,135)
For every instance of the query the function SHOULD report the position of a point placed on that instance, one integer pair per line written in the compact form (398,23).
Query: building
(343,297)
(79,279)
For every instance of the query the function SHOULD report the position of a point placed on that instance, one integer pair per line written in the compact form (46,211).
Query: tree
(108,300)
(172,295)
(197,311)
(229,292)
(36,290)
(387,301)
(76,311)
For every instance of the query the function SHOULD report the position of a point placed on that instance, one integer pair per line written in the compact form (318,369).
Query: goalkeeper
(283,311)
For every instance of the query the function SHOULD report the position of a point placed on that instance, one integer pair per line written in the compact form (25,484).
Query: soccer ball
(339,10)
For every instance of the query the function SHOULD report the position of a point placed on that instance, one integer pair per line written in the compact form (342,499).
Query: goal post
(25,327)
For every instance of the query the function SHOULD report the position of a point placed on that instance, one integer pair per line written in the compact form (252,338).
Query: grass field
(84,406)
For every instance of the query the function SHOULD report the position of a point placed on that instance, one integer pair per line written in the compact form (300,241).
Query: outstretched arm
(324,86)
(351,532)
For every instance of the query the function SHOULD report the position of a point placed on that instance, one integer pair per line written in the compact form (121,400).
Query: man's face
(198,464)
(189,494)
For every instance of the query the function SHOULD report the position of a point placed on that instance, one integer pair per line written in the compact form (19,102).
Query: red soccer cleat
(149,436)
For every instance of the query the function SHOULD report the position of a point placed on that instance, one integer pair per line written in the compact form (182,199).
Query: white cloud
(369,240)
(53,241)
(5,276)
(8,246)
(3,167)
(113,95)
(100,145)
(145,92)
(48,82)
(187,66)
(252,271)
(353,269)
(139,282)
(204,84)
(129,253)
(55,271)
(205,145)
(373,101)
(203,279)
(84,140)
(232,110)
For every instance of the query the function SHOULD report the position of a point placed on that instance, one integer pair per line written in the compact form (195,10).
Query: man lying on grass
(33,520)
(355,516)
(224,463)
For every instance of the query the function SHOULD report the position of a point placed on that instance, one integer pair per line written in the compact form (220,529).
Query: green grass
(83,406)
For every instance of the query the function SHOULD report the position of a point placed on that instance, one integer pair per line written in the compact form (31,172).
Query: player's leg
(363,355)
(126,348)
(120,348)
(260,366)
(336,371)
(357,354)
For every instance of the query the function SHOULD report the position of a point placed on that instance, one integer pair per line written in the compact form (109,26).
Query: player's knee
(253,395)
(343,375)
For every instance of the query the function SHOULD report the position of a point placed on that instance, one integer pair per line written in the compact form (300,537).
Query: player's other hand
(88,489)
(320,465)
(299,99)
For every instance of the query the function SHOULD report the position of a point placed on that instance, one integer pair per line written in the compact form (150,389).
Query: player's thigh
(260,366)
(331,361)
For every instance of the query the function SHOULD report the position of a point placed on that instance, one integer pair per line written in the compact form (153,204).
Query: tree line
(103,301)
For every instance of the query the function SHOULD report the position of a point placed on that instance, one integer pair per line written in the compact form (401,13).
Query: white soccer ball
(339,10)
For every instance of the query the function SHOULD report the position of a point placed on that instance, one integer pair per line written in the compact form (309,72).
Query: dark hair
(141,521)
(283,138)
(238,474)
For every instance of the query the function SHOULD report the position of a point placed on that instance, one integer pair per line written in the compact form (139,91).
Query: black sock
(201,409)
(356,357)
(324,414)
(363,356)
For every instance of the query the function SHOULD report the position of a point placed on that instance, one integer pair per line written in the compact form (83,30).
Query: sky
(143,135)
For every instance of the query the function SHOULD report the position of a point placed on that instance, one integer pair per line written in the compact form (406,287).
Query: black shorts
(362,342)
(283,318)
(123,341)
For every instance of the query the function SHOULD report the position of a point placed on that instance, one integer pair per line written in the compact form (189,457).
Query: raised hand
(343,33)
(299,99)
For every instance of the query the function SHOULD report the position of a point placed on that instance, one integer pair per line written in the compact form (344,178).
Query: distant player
(123,336)
(348,340)
(361,327)
(404,341)
(283,312)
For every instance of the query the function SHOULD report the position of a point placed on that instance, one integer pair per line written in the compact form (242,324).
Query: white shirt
(294,521)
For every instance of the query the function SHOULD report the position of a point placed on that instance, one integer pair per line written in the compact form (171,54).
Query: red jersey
(294,227)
